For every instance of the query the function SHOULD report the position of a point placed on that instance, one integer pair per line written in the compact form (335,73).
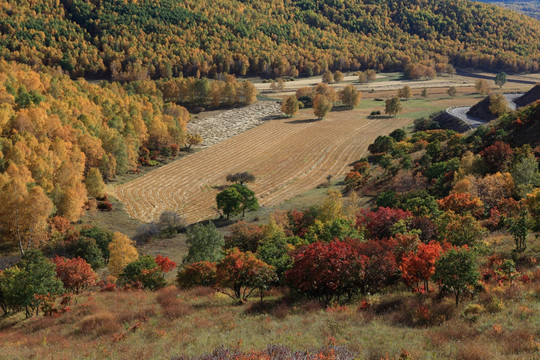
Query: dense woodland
(134,40)
(61,139)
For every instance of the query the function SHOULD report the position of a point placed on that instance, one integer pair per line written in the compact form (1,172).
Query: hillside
(135,39)
(528,7)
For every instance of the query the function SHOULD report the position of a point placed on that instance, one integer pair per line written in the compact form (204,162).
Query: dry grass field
(288,156)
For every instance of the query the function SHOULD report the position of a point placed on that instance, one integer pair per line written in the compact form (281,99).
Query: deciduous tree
(205,243)
(122,252)
(321,106)
(290,106)
(76,273)
(393,106)
(350,96)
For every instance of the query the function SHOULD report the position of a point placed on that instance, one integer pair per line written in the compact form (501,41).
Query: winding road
(461,112)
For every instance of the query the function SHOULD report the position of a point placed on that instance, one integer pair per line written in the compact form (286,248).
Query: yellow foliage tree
(122,252)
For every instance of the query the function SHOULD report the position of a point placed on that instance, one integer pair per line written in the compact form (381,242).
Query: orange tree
(243,273)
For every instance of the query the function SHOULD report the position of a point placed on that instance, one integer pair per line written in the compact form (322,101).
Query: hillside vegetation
(162,38)
(443,260)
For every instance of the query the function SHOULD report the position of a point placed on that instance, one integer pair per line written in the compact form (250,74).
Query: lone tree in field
(321,106)
(482,87)
(500,79)
(392,106)
(457,270)
(424,93)
(350,97)
(290,106)
(236,199)
(241,177)
(519,229)
(405,92)
(452,91)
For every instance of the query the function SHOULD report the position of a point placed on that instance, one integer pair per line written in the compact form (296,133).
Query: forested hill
(132,39)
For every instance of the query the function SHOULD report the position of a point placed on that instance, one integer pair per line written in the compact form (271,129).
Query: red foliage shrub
(326,271)
(428,228)
(174,149)
(461,203)
(299,222)
(379,262)
(76,274)
(104,206)
(202,273)
(164,263)
(497,156)
(379,222)
(420,265)
(243,272)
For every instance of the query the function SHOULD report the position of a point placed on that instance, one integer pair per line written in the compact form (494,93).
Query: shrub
(144,270)
(76,274)
(202,273)
(378,223)
(327,271)
(462,203)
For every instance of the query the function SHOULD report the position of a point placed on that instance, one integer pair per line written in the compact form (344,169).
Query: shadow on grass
(306,121)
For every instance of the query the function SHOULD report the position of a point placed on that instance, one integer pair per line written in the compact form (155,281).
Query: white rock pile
(232,122)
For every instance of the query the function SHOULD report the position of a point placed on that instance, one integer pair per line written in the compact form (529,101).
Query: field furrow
(288,157)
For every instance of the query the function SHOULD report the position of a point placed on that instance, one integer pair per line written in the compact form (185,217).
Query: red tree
(379,222)
(420,265)
(164,263)
(202,273)
(327,271)
(76,274)
(461,203)
(497,156)
(380,264)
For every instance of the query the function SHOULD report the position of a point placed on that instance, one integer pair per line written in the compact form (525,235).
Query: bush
(327,271)
(144,270)
(202,273)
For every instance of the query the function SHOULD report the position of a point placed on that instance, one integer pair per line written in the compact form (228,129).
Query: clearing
(288,156)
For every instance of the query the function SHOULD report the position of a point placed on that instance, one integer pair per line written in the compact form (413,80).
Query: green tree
(424,93)
(146,271)
(500,79)
(102,238)
(398,135)
(392,106)
(205,243)
(21,285)
(457,270)
(526,175)
(519,229)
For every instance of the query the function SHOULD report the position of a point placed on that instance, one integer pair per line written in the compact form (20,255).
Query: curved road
(474,122)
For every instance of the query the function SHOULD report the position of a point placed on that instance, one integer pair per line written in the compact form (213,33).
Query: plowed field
(288,157)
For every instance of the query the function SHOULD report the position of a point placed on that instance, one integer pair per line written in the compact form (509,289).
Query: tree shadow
(305,121)
(272,117)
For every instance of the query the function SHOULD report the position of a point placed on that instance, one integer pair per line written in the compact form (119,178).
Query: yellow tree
(481,86)
(24,211)
(321,106)
(94,183)
(122,252)
(350,96)
(290,106)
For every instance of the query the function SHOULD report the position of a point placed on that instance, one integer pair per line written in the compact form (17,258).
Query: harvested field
(288,157)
